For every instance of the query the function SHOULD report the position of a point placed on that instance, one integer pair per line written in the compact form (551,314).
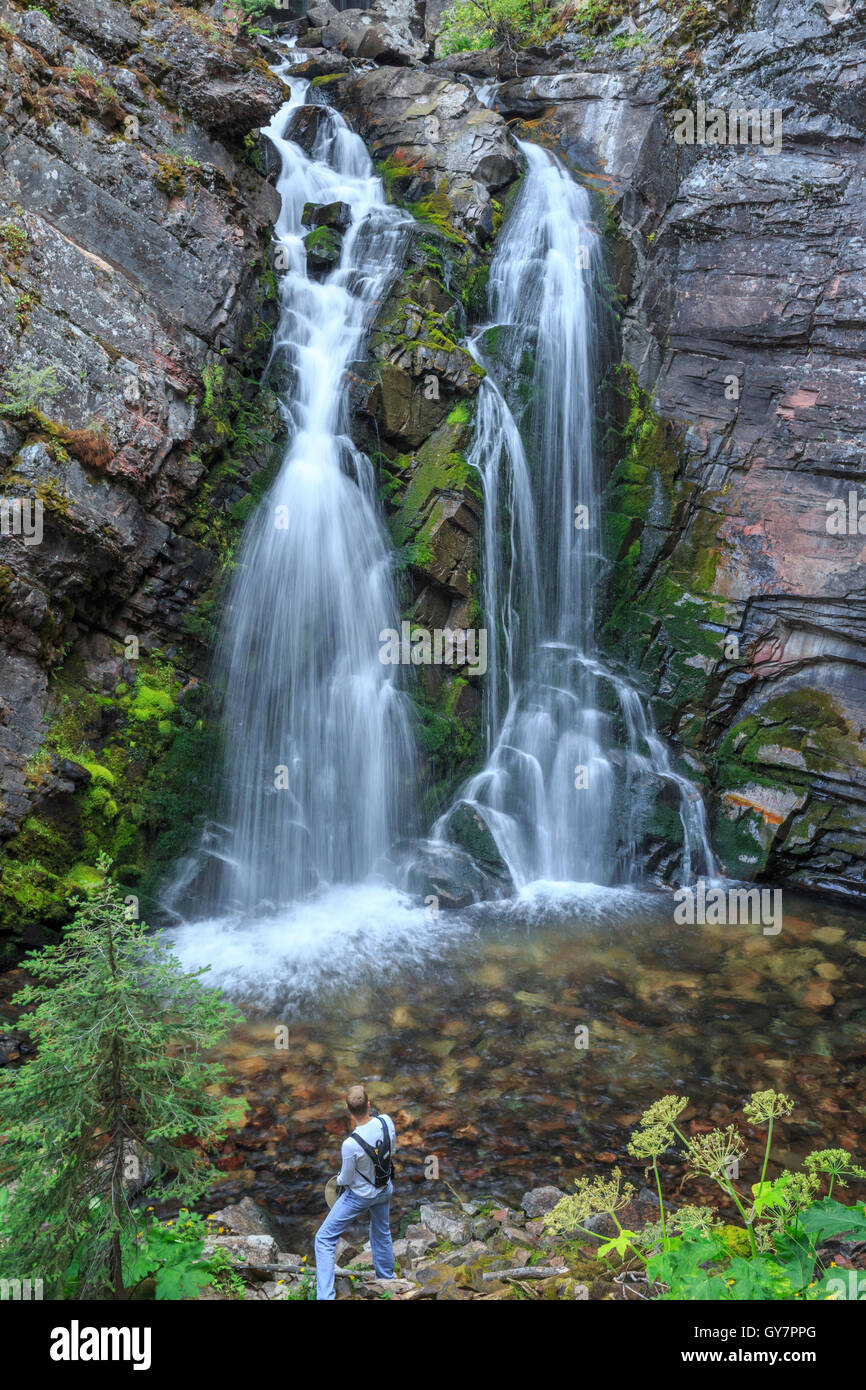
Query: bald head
(357,1101)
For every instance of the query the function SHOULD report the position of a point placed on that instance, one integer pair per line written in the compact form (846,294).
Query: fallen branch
(524,1272)
(310,1269)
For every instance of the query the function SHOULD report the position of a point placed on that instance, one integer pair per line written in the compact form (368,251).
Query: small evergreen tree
(473,24)
(120,1093)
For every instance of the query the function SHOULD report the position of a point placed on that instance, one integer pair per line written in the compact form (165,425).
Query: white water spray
(318,744)
(572,751)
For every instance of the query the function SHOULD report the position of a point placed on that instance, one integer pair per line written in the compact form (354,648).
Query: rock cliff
(138,301)
(739,268)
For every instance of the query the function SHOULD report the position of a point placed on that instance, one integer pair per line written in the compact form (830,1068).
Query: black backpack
(383,1166)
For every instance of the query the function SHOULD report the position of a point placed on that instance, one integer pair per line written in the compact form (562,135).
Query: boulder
(247,1218)
(540,1200)
(466,828)
(389,32)
(335,215)
(251,1254)
(445,1222)
(323,247)
(442,148)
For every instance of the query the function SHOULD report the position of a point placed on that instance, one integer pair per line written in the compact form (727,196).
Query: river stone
(323,248)
(443,1221)
(337,215)
(251,1254)
(447,874)
(413,1248)
(540,1200)
(466,828)
(247,1218)
(402,1290)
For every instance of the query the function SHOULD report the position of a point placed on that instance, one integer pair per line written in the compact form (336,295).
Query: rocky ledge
(452,1252)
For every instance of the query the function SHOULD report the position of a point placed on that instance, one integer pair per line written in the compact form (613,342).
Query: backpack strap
(387,1138)
(368,1149)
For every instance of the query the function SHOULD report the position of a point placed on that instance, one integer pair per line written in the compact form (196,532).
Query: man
(366,1180)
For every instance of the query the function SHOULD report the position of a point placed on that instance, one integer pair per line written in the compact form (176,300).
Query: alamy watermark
(21,1290)
(738,126)
(21,516)
(716,906)
(846,516)
(418,646)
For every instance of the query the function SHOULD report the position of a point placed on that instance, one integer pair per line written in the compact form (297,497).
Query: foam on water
(346,937)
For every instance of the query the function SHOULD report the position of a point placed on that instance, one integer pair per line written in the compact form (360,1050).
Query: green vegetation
(691,1254)
(170,175)
(621,41)
(14,239)
(474,24)
(25,385)
(147,749)
(123,1097)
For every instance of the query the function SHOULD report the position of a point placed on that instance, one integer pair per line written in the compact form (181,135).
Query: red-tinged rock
(229,1162)
(250,1066)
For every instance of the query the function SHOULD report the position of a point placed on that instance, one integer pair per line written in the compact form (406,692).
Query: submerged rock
(448,874)
(465,827)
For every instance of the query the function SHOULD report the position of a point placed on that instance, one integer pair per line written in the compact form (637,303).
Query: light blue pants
(344,1213)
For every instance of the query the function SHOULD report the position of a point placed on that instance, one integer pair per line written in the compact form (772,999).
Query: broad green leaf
(620,1244)
(829,1218)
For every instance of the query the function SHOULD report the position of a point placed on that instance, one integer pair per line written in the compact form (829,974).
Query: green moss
(474,292)
(97,772)
(324,242)
(82,876)
(151,703)
(659,614)
(170,175)
(149,754)
(439,467)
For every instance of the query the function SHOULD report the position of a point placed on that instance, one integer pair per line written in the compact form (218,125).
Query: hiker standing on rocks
(365,1177)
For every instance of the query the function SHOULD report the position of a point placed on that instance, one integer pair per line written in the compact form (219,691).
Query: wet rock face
(441,149)
(391,31)
(133,251)
(744,320)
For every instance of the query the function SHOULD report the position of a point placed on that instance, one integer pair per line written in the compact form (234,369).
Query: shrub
(119,1096)
(690,1254)
(473,24)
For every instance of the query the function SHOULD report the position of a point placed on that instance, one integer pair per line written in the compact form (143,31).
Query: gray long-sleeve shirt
(356,1167)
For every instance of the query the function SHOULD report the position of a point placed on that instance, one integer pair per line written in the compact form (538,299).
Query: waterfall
(572,752)
(318,743)
(295,875)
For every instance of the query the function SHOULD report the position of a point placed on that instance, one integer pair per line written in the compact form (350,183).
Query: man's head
(357,1102)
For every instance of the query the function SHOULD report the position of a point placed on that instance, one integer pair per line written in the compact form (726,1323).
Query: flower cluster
(714,1153)
(767,1105)
(593,1197)
(655,1132)
(837,1162)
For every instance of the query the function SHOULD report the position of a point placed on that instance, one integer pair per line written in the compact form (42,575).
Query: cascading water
(319,750)
(318,747)
(562,801)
